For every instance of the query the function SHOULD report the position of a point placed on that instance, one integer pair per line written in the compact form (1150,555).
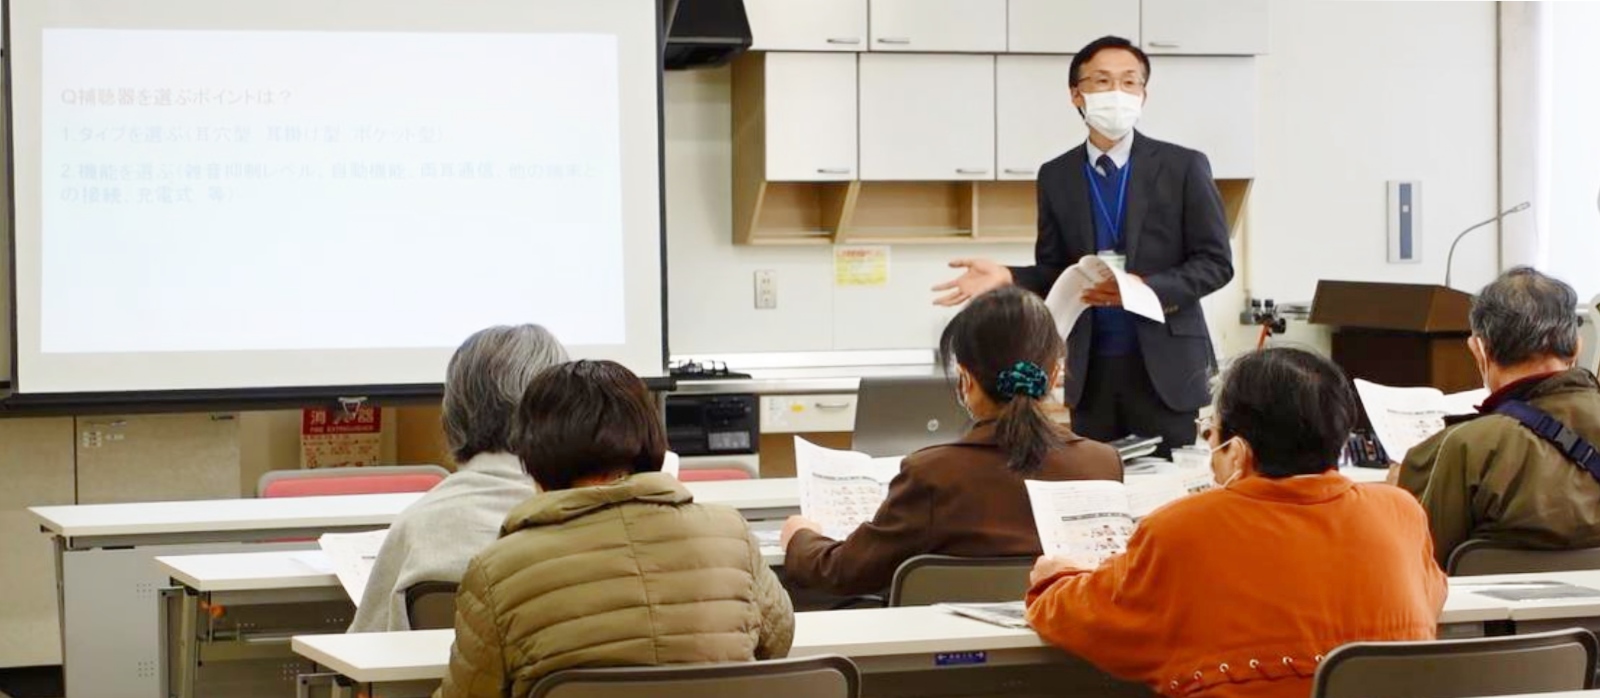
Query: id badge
(1116,261)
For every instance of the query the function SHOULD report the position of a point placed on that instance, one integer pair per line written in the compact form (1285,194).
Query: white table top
(425,654)
(1540,609)
(206,516)
(766,493)
(154,518)
(277,569)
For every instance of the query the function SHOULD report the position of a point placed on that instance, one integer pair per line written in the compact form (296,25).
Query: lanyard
(1112,224)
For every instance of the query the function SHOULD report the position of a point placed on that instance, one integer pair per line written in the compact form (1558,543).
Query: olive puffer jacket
(631,573)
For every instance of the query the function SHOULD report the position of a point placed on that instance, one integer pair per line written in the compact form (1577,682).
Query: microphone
(1450,260)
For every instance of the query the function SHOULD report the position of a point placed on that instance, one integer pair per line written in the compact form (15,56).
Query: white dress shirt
(1119,153)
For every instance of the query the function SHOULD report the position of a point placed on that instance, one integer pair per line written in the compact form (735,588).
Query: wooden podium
(1403,335)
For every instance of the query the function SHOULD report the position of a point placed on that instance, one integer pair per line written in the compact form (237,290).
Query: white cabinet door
(1064,26)
(927,117)
(807,25)
(1205,27)
(1208,104)
(811,116)
(961,26)
(1034,117)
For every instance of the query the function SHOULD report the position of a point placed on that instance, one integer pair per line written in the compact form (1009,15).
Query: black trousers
(1119,399)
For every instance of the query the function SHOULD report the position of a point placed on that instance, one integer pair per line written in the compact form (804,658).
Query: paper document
(841,489)
(1010,614)
(1405,417)
(670,464)
(352,556)
(1091,520)
(1065,299)
(315,560)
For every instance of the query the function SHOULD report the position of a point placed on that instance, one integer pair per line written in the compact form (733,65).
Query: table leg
(188,643)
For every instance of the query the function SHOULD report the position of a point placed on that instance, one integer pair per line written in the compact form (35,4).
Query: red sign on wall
(333,438)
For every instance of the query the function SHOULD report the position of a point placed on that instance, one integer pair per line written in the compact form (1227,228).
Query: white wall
(1337,120)
(1570,220)
(710,281)
(1358,93)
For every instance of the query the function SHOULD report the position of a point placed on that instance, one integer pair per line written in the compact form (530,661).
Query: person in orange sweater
(1240,591)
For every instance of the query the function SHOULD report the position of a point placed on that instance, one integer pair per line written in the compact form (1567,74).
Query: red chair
(378,479)
(709,474)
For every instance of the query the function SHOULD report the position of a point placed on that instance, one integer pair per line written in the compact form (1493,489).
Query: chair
(929,579)
(824,676)
(431,605)
(1563,660)
(712,474)
(377,479)
(1478,556)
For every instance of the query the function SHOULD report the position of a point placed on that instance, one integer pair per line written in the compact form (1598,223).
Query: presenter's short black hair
(1087,54)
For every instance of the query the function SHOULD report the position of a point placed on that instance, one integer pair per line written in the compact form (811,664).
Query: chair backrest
(1563,660)
(378,479)
(1478,556)
(929,579)
(823,676)
(431,605)
(712,474)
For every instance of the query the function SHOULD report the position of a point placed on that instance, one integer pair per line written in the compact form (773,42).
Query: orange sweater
(1239,592)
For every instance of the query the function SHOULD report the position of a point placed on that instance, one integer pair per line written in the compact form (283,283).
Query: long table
(109,588)
(892,641)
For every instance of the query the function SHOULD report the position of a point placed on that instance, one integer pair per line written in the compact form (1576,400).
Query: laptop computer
(895,416)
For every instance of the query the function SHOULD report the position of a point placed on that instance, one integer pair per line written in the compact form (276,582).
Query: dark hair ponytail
(1006,340)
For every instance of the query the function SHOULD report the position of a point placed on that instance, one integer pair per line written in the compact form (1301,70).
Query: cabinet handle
(844,41)
(1164,44)
(972,171)
(895,40)
(833,170)
(1018,171)
(830,405)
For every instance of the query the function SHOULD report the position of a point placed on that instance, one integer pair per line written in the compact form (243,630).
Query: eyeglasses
(1206,427)
(1105,82)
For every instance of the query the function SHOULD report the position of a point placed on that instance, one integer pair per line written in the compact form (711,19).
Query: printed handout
(1091,520)
(352,555)
(1065,299)
(1405,417)
(841,489)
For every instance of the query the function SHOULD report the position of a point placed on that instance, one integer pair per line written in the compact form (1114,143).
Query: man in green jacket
(1488,476)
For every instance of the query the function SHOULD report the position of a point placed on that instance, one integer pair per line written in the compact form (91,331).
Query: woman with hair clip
(966,498)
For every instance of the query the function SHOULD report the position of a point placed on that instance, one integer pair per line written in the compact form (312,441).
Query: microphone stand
(1450,260)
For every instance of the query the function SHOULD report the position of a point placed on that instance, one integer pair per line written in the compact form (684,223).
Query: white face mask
(1113,112)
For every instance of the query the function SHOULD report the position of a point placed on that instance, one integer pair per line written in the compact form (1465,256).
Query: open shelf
(798,213)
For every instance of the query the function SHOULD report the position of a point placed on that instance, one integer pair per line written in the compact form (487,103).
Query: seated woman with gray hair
(435,537)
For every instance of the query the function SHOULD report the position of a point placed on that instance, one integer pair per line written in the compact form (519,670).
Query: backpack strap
(1568,442)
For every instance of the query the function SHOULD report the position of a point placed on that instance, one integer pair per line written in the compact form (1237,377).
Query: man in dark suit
(1151,207)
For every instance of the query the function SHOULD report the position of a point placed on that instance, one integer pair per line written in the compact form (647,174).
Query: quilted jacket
(631,573)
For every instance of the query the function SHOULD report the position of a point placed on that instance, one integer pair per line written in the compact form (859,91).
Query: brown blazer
(957,499)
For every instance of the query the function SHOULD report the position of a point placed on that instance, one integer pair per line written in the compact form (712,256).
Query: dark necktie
(1107,167)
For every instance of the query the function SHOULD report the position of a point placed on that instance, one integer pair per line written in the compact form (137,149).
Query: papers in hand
(1066,296)
(1405,417)
(1091,520)
(352,555)
(1010,614)
(841,489)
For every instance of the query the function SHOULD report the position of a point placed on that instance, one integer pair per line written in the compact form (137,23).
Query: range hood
(704,33)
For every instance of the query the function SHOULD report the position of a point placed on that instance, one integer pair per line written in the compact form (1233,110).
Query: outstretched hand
(981,276)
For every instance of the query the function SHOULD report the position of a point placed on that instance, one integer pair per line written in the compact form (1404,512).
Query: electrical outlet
(766,290)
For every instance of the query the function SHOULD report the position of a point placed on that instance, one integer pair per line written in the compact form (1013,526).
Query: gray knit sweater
(435,537)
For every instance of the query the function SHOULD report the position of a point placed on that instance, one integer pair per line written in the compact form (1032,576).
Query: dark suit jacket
(1177,240)
(958,499)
